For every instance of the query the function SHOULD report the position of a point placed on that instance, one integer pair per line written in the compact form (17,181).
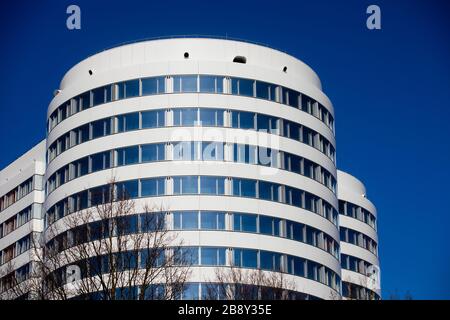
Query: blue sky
(390,89)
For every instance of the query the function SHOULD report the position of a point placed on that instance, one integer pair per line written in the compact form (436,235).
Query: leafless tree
(109,251)
(233,283)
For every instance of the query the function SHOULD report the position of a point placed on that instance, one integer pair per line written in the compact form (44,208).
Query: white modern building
(234,140)
(359,240)
(21,197)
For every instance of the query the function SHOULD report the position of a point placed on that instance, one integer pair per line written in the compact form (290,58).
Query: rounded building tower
(233,141)
(359,241)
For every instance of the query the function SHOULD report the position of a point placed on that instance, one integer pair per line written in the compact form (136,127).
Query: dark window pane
(132,88)
(185,117)
(262,90)
(212,220)
(246,87)
(248,188)
(98,96)
(152,187)
(127,189)
(152,152)
(132,121)
(248,222)
(185,83)
(265,190)
(149,86)
(83,133)
(189,220)
(293,97)
(246,120)
(249,258)
(127,156)
(97,162)
(211,117)
(186,185)
(208,84)
(266,260)
(98,128)
(153,119)
(265,225)
(85,100)
(183,151)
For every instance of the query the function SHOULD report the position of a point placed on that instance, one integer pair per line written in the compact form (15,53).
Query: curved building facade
(234,140)
(359,240)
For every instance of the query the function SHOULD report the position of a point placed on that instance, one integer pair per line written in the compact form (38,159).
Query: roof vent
(90,72)
(284,69)
(240,59)
(186,55)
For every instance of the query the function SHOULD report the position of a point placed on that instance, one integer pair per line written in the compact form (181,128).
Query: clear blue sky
(390,89)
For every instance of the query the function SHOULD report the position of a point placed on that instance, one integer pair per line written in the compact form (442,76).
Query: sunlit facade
(233,141)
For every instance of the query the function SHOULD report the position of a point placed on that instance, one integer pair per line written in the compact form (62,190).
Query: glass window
(152,221)
(185,83)
(152,187)
(183,151)
(212,185)
(311,236)
(98,128)
(266,225)
(185,185)
(292,98)
(245,153)
(299,266)
(308,168)
(211,220)
(246,120)
(244,188)
(248,188)
(211,117)
(297,231)
(132,88)
(262,90)
(246,87)
(153,85)
(246,258)
(153,152)
(83,133)
(313,270)
(82,166)
(211,151)
(266,190)
(292,130)
(153,119)
(185,117)
(307,136)
(208,84)
(212,256)
(267,124)
(306,103)
(310,201)
(267,260)
(128,122)
(245,222)
(128,155)
(100,161)
(85,102)
(190,291)
(127,189)
(101,95)
(127,225)
(185,220)
(81,200)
